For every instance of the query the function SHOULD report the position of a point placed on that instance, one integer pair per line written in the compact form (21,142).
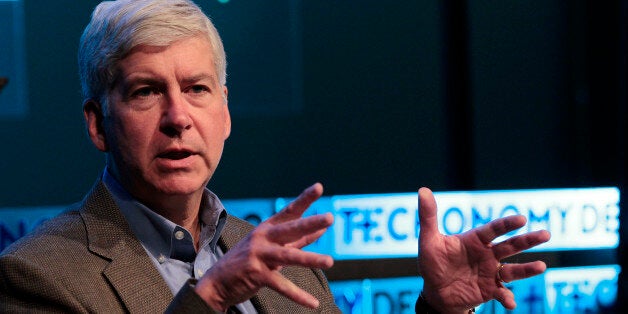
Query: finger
(520,243)
(297,207)
(282,256)
(286,287)
(506,298)
(307,240)
(293,230)
(487,233)
(510,272)
(427,214)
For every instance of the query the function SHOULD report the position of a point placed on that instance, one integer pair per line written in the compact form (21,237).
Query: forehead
(185,56)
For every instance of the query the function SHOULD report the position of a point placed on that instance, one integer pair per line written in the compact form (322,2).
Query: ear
(227,115)
(94,119)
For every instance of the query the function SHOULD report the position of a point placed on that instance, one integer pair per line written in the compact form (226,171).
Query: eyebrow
(200,77)
(149,80)
(141,80)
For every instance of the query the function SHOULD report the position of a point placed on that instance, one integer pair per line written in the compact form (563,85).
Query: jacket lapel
(130,272)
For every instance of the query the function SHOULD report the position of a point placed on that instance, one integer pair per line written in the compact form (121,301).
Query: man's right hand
(255,261)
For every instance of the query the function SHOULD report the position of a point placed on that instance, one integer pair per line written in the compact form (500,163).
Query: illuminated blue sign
(390,295)
(581,289)
(388,225)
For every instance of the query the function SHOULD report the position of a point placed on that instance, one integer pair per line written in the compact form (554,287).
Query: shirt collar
(162,237)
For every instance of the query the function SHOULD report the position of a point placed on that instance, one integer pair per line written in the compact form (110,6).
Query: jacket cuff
(188,301)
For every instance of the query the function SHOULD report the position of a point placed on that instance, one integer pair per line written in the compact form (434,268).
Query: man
(150,237)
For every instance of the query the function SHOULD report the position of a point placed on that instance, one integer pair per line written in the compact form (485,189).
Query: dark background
(364,96)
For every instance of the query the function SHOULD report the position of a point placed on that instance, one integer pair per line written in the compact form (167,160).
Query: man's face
(167,120)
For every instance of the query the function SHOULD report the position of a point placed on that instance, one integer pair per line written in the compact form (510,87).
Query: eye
(197,89)
(143,92)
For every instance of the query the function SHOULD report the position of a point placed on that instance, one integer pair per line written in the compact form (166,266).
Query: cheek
(214,139)
(128,138)
(213,133)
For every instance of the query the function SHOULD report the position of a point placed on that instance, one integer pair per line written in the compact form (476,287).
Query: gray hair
(117,27)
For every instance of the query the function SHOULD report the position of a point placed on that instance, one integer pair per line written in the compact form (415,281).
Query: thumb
(427,215)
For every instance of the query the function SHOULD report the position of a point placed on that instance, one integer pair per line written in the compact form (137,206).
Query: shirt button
(161,259)
(179,235)
(199,273)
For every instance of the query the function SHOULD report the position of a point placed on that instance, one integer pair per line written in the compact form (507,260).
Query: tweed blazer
(87,260)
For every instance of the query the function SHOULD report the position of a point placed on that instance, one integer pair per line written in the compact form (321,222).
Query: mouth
(175,154)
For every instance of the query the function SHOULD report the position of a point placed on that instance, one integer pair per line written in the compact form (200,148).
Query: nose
(175,118)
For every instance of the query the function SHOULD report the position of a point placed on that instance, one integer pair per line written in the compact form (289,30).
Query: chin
(180,186)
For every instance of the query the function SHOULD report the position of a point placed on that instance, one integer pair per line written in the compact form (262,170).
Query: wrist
(210,295)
